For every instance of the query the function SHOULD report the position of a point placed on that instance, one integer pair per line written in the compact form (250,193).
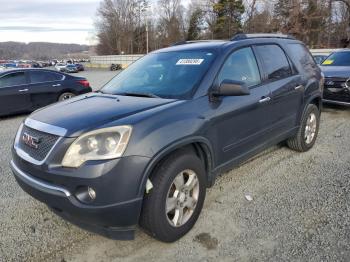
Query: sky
(58,21)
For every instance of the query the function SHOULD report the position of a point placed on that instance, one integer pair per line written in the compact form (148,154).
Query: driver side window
(241,66)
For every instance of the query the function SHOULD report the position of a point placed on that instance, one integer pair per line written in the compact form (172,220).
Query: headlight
(101,144)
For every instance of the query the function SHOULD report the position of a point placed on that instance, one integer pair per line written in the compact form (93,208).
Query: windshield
(338,59)
(173,75)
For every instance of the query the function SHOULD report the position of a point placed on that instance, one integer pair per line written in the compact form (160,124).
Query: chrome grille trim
(24,155)
(46,128)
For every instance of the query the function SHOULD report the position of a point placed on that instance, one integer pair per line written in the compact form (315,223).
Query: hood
(93,110)
(336,71)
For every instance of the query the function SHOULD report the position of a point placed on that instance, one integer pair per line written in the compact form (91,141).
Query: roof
(7,70)
(216,44)
(184,46)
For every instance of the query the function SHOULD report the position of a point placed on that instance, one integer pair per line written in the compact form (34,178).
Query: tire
(65,96)
(154,218)
(301,141)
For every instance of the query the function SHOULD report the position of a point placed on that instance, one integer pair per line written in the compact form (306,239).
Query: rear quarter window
(276,65)
(303,58)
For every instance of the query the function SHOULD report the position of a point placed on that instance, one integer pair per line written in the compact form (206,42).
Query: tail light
(84,83)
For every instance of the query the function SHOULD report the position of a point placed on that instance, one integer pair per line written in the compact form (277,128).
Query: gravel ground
(300,210)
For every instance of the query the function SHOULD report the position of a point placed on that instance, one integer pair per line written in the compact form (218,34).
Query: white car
(60,67)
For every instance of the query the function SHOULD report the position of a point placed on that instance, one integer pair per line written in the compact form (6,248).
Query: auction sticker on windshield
(328,62)
(190,62)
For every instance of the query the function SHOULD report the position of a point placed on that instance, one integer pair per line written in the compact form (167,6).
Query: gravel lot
(300,209)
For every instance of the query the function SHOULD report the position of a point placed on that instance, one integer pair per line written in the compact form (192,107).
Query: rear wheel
(66,96)
(308,130)
(173,206)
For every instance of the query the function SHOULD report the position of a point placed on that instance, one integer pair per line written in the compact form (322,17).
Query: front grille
(334,82)
(340,93)
(45,144)
(340,97)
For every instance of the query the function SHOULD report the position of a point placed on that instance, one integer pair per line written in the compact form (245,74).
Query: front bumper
(337,93)
(116,219)
(336,102)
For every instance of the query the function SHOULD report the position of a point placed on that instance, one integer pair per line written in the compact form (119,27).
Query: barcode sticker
(190,62)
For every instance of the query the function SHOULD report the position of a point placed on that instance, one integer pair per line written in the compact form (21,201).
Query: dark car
(25,90)
(144,149)
(336,69)
(71,68)
(116,67)
(80,67)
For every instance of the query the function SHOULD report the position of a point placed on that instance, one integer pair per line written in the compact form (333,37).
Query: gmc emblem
(30,141)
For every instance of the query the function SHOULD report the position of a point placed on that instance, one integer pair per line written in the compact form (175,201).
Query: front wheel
(173,206)
(308,130)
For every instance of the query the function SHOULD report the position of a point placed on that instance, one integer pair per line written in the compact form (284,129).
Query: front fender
(171,148)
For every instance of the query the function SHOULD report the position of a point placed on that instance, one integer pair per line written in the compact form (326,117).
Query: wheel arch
(315,99)
(198,145)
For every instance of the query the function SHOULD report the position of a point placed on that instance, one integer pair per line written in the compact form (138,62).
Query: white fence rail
(107,60)
(323,51)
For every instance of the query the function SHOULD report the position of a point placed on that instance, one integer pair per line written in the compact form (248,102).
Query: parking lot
(300,209)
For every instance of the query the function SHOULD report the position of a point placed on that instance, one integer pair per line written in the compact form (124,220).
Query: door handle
(23,90)
(264,99)
(56,85)
(299,87)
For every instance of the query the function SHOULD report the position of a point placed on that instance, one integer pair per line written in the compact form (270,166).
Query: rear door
(14,95)
(45,87)
(287,90)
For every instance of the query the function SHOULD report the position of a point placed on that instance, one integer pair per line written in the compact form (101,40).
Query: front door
(240,124)
(14,93)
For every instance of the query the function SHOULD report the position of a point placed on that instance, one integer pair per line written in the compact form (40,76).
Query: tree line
(138,26)
(39,50)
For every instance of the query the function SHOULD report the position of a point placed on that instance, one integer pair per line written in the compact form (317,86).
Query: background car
(115,67)
(60,67)
(80,67)
(10,65)
(71,69)
(25,90)
(336,69)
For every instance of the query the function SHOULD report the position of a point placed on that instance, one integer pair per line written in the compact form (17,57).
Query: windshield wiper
(138,94)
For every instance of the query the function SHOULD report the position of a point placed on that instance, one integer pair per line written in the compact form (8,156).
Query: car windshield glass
(173,75)
(338,59)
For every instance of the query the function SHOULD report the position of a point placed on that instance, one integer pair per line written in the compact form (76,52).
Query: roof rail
(196,41)
(238,37)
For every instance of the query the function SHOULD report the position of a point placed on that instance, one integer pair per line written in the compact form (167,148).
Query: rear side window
(13,79)
(275,62)
(241,66)
(39,77)
(302,55)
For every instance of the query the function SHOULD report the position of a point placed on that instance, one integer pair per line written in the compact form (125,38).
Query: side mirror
(231,88)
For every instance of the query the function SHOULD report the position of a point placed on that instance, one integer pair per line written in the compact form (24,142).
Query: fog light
(92,193)
(85,194)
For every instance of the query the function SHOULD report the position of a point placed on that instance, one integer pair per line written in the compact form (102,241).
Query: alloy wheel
(310,128)
(182,198)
